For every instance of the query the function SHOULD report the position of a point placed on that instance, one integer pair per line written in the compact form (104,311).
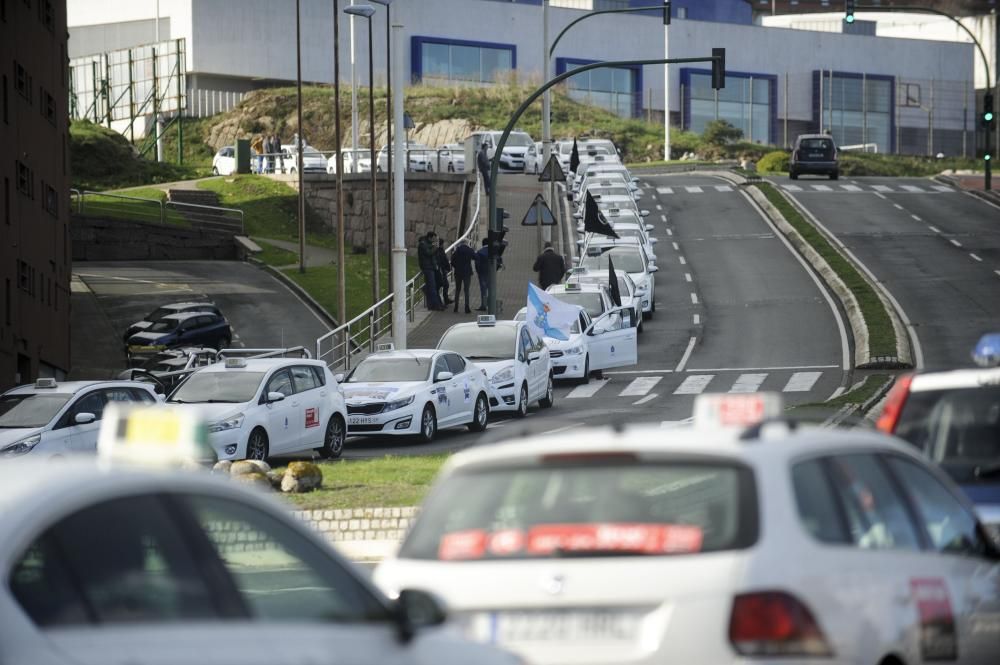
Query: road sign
(539,210)
(552,171)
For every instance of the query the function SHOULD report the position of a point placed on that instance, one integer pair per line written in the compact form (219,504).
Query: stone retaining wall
(104,239)
(360,524)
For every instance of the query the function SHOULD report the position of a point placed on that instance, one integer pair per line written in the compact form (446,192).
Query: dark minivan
(814,154)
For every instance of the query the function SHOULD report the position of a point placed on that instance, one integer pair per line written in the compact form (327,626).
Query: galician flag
(548,316)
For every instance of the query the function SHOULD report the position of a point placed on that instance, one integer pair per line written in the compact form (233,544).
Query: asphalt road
(936,250)
(736,312)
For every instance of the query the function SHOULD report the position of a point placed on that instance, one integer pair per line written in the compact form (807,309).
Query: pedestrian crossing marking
(723,188)
(694,385)
(851,188)
(854,189)
(882,188)
(640,386)
(665,190)
(942,188)
(791,188)
(822,188)
(748,383)
(587,389)
(693,189)
(801,382)
(913,188)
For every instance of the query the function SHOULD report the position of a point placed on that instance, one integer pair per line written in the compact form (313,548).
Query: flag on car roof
(574,157)
(548,316)
(594,220)
(616,294)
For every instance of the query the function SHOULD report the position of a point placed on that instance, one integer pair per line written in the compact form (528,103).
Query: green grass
(871,385)
(100,205)
(276,256)
(881,336)
(382,482)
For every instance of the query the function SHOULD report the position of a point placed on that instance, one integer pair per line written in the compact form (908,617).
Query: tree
(720,132)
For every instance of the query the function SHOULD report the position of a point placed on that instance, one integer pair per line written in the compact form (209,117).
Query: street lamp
(341,268)
(388,123)
(367,11)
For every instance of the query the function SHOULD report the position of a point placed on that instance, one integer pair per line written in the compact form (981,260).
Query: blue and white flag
(548,316)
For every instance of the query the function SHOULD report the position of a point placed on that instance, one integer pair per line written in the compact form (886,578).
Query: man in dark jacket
(443,268)
(550,267)
(483,272)
(428,266)
(461,261)
(483,162)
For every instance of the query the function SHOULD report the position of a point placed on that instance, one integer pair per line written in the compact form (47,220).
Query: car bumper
(229,444)
(568,367)
(814,167)
(503,398)
(512,163)
(403,421)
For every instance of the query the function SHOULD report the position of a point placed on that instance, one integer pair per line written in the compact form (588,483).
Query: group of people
(435,264)
(269,156)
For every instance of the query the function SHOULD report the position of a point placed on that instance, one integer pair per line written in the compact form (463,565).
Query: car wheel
(215,171)
(792,175)
(586,370)
(333,441)
(480,415)
(522,402)
(638,328)
(257,447)
(550,395)
(598,374)
(428,425)
(835,175)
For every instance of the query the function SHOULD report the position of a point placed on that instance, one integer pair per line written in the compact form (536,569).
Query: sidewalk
(315,256)
(515,195)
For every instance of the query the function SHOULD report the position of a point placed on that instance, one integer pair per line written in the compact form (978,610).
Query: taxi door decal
(312,417)
(938,640)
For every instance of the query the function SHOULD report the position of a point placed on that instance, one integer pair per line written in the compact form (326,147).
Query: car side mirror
(653,241)
(275,396)
(84,418)
(577,215)
(653,268)
(644,213)
(443,376)
(339,377)
(416,609)
(649,227)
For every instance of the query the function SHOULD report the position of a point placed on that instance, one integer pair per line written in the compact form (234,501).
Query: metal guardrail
(155,210)
(210,217)
(418,160)
(336,347)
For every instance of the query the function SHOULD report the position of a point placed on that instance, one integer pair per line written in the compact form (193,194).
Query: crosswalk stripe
(942,188)
(640,386)
(822,188)
(748,383)
(851,188)
(587,389)
(723,188)
(882,188)
(665,190)
(694,385)
(801,382)
(914,189)
(791,188)
(693,189)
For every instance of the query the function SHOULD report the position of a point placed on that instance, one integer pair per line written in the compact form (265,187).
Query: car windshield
(163,325)
(159,313)
(229,386)
(958,429)
(603,507)
(518,141)
(481,343)
(30,409)
(589,300)
(594,279)
(624,258)
(824,146)
(402,368)
(604,191)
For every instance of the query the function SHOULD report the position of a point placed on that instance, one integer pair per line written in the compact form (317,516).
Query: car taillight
(894,403)
(774,623)
(795,155)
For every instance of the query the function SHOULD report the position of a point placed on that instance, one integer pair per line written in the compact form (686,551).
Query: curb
(992,197)
(297,290)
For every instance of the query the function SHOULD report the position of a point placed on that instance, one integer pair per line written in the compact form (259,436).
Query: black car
(187,329)
(172,308)
(814,154)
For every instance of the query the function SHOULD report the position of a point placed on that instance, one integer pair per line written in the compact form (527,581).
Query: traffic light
(718,68)
(496,243)
(849,11)
(666,12)
(987,108)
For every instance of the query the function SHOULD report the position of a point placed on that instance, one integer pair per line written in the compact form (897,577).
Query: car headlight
(21,447)
(574,350)
(504,375)
(399,404)
(235,422)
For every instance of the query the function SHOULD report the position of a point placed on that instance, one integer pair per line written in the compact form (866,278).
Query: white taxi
(258,407)
(626,288)
(415,392)
(516,361)
(627,254)
(50,418)
(694,545)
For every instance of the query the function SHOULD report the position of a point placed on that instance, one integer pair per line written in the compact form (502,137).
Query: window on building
(857,109)
(22,81)
(25,180)
(451,61)
(745,103)
(7,299)
(3,10)
(51,201)
(616,89)
(6,114)
(6,200)
(48,105)
(47,14)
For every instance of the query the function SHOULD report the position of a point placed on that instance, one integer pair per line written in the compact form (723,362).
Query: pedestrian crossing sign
(552,171)
(538,212)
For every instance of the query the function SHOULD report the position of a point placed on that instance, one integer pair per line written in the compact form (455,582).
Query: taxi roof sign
(728,410)
(235,363)
(386,346)
(572,286)
(486,320)
(157,436)
(47,382)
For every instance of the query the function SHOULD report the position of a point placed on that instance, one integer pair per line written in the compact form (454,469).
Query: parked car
(53,418)
(419,158)
(512,157)
(533,158)
(352,161)
(224,161)
(170,308)
(452,158)
(185,329)
(814,154)
(313,160)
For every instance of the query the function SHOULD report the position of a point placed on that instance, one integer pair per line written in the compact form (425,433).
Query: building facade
(34,199)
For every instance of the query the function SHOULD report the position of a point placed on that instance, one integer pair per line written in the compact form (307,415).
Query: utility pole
(666,81)
(546,233)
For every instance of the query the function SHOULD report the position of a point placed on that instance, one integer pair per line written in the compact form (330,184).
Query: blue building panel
(417,44)
(685,76)
(567,64)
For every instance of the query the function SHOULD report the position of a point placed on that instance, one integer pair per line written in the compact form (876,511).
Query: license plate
(361,420)
(562,626)
(816,155)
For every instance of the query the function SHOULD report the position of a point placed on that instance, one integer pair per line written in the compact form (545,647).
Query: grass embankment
(124,204)
(881,336)
(382,482)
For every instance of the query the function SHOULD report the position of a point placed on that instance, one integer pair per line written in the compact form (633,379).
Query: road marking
(669,424)
(897,206)
(631,372)
(687,354)
(647,398)
(881,196)
(587,389)
(697,319)
(916,218)
(683,261)
(942,188)
(934,229)
(659,207)
(641,386)
(687,276)
(665,190)
(693,189)
(676,246)
(748,383)
(851,188)
(801,382)
(975,257)
(669,231)
(723,188)
(997,272)
(791,188)
(882,188)
(822,188)
(563,428)
(955,242)
(764,369)
(694,385)
(663,218)
(694,298)
(914,189)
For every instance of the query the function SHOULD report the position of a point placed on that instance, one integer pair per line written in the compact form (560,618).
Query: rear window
(957,429)
(595,508)
(815,148)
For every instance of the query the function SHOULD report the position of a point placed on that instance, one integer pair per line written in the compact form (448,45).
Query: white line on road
(647,398)
(562,429)
(723,188)
(942,188)
(882,188)
(851,188)
(764,369)
(801,382)
(687,276)
(822,188)
(630,372)
(748,383)
(975,257)
(881,196)
(663,218)
(694,385)
(587,389)
(791,188)
(694,298)
(641,386)
(916,218)
(897,206)
(676,246)
(697,319)
(687,354)
(693,189)
(934,229)
(665,190)
(683,261)
(659,206)
(669,231)
(955,242)
(914,189)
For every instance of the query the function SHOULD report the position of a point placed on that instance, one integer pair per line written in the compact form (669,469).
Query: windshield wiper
(487,358)
(987,471)
(564,553)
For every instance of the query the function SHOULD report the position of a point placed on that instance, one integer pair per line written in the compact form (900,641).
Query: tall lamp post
(367,11)
(341,269)
(389,184)
(298,140)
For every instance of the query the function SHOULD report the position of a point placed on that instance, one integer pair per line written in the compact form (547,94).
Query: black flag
(616,294)
(574,158)
(594,221)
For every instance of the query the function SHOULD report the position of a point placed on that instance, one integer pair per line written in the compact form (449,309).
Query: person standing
(425,257)
(550,267)
(257,145)
(443,268)
(279,155)
(483,273)
(483,162)
(462,260)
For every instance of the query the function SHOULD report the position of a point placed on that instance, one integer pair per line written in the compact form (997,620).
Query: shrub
(773,162)
(720,132)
